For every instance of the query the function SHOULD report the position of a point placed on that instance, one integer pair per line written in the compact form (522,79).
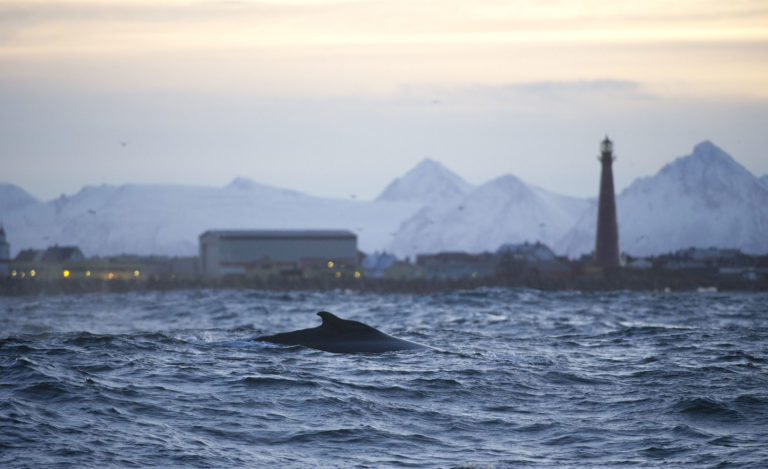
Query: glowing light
(110,275)
(330,264)
(87,273)
(338,274)
(13,273)
(135,273)
(32,273)
(357,274)
(65,273)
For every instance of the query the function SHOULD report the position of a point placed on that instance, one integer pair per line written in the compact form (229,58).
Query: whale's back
(342,336)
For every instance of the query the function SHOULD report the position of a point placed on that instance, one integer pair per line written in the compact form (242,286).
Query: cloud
(516,52)
(578,86)
(584,89)
(535,97)
(398,21)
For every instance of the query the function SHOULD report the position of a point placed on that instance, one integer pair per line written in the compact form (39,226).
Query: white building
(235,252)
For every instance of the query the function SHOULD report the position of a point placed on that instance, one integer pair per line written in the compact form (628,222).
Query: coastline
(609,280)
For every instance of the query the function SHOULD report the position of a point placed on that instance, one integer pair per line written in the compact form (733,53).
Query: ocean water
(515,378)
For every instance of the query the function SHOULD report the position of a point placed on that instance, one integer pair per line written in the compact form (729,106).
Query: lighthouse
(607,240)
(5,254)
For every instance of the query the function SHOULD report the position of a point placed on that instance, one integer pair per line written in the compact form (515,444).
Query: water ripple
(518,378)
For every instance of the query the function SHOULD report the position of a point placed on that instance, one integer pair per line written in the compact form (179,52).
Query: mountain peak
(248,187)
(242,183)
(708,164)
(705,146)
(428,182)
(507,180)
(710,152)
(429,164)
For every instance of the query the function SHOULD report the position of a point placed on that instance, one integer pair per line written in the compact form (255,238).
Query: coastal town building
(63,254)
(522,258)
(376,264)
(244,252)
(456,265)
(51,255)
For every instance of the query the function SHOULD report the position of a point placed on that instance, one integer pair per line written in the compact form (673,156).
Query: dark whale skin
(338,335)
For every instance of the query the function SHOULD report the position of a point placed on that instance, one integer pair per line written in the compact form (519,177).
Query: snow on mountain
(504,210)
(12,198)
(167,219)
(429,183)
(703,200)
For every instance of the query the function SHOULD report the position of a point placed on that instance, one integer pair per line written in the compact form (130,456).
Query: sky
(337,98)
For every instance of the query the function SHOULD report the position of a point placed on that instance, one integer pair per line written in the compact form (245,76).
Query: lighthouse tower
(607,242)
(5,254)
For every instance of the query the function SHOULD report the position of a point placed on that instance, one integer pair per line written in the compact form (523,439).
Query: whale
(338,335)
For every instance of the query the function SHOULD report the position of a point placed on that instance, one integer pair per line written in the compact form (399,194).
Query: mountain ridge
(504,209)
(702,199)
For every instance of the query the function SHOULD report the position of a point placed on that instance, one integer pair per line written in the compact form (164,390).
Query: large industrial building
(240,252)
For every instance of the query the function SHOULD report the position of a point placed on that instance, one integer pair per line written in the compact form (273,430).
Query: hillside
(704,199)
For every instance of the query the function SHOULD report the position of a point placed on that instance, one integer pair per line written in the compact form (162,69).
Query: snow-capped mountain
(504,210)
(167,219)
(705,199)
(429,183)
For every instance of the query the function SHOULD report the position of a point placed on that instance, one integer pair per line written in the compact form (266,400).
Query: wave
(707,408)
(357,436)
(562,377)
(274,381)
(171,379)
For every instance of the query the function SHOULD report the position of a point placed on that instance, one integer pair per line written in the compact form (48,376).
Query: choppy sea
(515,378)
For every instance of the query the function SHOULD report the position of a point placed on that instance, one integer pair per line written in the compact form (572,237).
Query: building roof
(532,252)
(279,234)
(62,253)
(28,255)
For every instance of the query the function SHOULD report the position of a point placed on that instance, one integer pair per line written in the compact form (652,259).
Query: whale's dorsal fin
(330,320)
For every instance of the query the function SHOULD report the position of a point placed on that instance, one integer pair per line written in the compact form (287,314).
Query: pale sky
(335,98)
